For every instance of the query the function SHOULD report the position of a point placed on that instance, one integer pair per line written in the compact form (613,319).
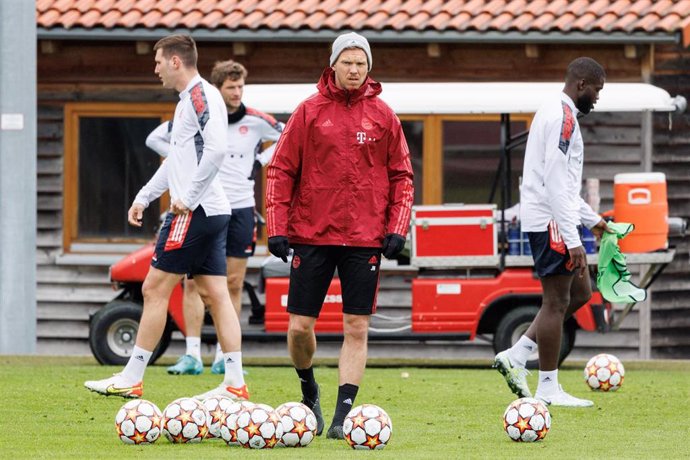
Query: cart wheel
(515,323)
(113,332)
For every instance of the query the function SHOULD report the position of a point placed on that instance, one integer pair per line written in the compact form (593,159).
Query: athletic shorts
(192,244)
(551,256)
(313,268)
(241,233)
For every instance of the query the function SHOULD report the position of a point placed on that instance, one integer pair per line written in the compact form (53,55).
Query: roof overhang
(385,36)
(473,98)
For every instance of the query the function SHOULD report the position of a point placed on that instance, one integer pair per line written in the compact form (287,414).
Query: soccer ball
(216,407)
(367,427)
(258,427)
(299,424)
(526,420)
(228,428)
(138,422)
(604,372)
(185,421)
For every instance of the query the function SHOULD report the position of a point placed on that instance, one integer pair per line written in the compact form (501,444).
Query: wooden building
(98,98)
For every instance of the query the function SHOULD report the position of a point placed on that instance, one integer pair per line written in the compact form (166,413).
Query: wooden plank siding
(83,71)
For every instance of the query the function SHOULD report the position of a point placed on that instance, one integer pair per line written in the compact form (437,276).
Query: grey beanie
(350,40)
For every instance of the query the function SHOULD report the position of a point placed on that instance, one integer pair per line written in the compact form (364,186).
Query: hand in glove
(255,169)
(279,247)
(392,245)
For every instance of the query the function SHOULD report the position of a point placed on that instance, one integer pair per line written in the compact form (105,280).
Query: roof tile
(606,16)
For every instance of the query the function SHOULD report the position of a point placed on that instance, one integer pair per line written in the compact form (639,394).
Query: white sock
(136,366)
(520,352)
(219,353)
(548,382)
(193,347)
(233,369)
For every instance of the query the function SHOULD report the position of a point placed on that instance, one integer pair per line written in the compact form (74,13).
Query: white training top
(196,150)
(552,173)
(246,137)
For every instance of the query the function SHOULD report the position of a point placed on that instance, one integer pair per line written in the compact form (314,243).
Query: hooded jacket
(341,172)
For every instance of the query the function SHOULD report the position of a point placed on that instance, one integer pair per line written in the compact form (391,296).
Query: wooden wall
(102,71)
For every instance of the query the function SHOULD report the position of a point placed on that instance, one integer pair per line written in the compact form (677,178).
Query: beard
(584,104)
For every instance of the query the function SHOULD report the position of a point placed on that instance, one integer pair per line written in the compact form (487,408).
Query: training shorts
(550,254)
(241,233)
(192,244)
(313,268)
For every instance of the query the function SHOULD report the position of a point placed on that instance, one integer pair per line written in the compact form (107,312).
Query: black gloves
(392,245)
(279,247)
(255,169)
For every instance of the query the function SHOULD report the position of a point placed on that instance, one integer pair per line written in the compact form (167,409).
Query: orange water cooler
(640,199)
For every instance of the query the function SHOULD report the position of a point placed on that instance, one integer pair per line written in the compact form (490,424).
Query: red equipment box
(276,316)
(453,235)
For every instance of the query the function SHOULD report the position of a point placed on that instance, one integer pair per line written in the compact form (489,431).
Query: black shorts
(192,244)
(313,268)
(241,233)
(551,256)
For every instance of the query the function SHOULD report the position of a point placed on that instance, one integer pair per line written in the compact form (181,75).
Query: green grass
(437,413)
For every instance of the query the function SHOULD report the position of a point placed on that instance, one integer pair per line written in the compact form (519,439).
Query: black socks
(310,390)
(346,398)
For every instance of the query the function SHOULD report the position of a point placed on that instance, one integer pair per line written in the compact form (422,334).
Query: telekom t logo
(361,136)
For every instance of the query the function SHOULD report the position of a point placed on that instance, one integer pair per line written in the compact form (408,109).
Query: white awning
(472,98)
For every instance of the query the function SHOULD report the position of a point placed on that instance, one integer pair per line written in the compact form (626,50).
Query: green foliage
(436,413)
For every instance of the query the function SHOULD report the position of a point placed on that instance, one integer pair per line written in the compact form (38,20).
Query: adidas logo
(139,358)
(229,360)
(546,379)
(327,124)
(348,401)
(373,260)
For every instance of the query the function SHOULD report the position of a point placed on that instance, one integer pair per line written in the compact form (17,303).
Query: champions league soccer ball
(228,428)
(184,420)
(299,424)
(526,420)
(604,372)
(367,427)
(216,407)
(258,427)
(138,422)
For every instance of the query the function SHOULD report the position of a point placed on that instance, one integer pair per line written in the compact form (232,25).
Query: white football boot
(237,394)
(516,376)
(563,399)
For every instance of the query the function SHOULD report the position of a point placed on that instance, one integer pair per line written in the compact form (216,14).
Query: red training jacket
(341,172)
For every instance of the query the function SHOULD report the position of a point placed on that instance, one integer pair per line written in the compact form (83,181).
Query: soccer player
(550,211)
(193,237)
(339,192)
(248,131)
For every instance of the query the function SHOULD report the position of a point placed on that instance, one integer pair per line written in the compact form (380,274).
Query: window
(472,159)
(414,134)
(106,163)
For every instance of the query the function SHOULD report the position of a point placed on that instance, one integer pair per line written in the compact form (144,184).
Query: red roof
(563,17)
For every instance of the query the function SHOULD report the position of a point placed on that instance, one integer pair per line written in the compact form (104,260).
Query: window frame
(432,154)
(73,112)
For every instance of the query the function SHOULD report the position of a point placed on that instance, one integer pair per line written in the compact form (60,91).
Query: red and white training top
(552,173)
(198,146)
(246,137)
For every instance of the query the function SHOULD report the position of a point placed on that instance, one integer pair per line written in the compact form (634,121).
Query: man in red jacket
(339,192)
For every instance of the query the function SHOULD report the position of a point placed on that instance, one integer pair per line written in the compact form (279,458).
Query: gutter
(385,36)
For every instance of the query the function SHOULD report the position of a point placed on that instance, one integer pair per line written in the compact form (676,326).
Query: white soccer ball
(228,429)
(138,422)
(526,420)
(299,424)
(367,427)
(604,372)
(185,421)
(258,427)
(217,412)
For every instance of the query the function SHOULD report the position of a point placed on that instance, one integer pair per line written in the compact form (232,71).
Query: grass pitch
(436,412)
